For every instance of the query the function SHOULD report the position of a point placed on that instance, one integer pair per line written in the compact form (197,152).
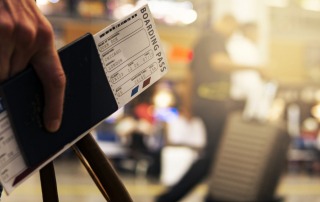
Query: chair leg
(49,184)
(103,169)
(91,172)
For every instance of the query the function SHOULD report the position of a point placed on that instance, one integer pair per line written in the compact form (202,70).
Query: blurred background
(155,139)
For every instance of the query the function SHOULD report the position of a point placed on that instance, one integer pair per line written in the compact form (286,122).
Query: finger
(48,67)
(50,72)
(5,58)
(19,60)
(6,45)
(25,35)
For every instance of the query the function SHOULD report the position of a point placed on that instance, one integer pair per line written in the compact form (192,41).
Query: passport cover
(88,101)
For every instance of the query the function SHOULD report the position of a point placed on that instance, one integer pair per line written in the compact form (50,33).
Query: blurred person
(179,128)
(185,139)
(144,141)
(247,86)
(243,49)
(210,76)
(26,36)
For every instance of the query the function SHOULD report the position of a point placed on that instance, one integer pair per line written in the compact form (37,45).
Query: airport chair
(99,168)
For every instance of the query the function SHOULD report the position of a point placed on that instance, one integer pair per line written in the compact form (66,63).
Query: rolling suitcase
(249,161)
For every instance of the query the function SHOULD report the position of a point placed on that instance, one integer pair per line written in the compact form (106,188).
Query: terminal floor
(75,185)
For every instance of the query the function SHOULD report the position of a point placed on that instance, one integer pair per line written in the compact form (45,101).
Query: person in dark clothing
(210,75)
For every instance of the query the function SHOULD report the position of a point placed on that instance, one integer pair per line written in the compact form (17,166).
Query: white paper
(11,161)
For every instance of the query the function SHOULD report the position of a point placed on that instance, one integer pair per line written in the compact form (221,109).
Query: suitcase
(249,161)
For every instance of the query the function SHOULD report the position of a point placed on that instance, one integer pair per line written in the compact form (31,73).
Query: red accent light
(181,54)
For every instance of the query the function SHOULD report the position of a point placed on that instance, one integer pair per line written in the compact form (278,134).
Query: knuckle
(6,27)
(25,34)
(59,80)
(45,33)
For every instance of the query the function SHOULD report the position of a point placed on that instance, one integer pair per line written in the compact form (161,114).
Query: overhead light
(278,3)
(312,5)
(315,111)
(172,12)
(54,1)
(123,10)
(42,2)
(163,99)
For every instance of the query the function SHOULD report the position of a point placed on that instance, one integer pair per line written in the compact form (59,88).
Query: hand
(26,36)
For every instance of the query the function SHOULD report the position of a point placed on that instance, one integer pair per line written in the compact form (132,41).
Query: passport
(88,101)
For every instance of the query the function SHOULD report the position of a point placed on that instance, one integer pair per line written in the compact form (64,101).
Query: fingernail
(53,126)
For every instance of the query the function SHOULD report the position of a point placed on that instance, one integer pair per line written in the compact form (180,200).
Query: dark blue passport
(88,101)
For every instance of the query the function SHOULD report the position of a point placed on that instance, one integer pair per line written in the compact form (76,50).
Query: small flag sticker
(146,82)
(134,91)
